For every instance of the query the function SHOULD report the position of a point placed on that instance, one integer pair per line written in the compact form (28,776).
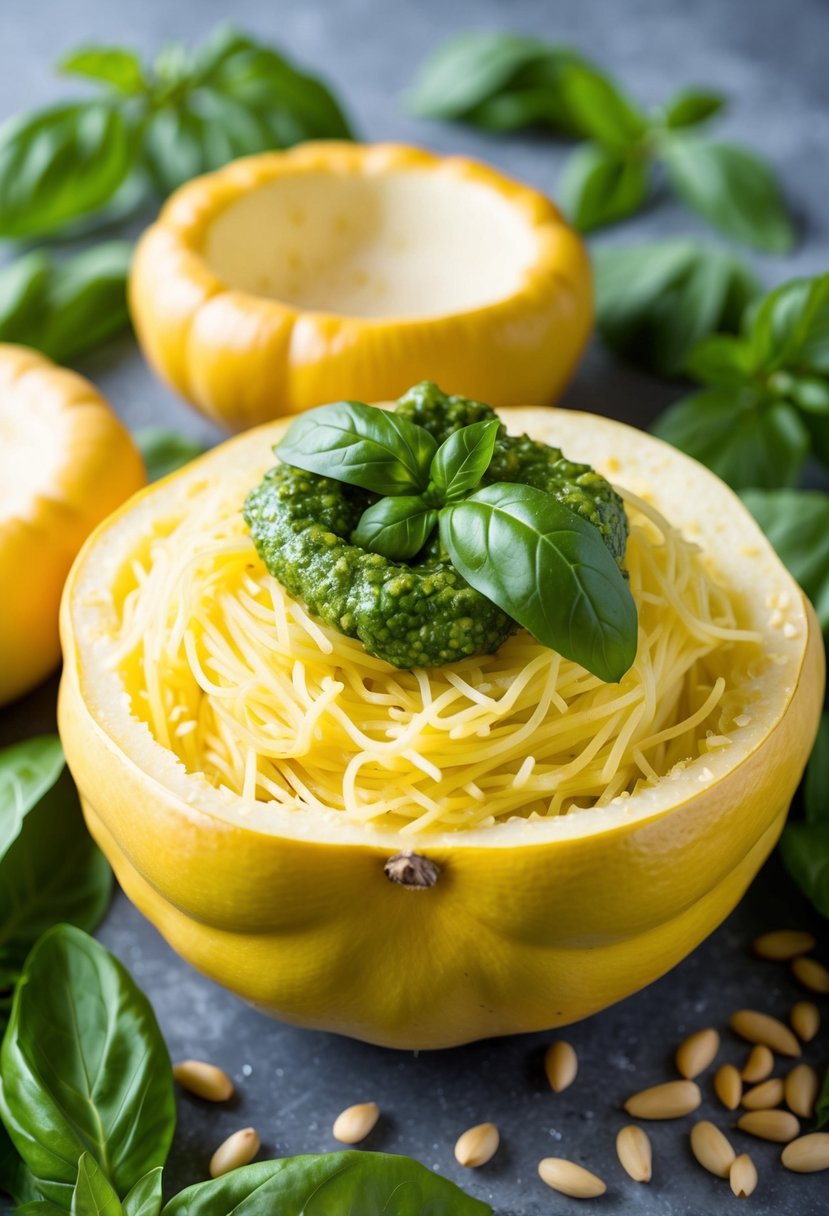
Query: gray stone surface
(769,57)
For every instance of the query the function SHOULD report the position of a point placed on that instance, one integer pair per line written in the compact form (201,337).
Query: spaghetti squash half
(421,858)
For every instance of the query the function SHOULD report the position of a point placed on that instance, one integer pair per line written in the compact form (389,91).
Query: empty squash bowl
(343,270)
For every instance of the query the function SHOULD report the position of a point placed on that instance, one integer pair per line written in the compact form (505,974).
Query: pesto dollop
(420,613)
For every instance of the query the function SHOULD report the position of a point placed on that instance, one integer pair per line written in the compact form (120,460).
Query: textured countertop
(770,58)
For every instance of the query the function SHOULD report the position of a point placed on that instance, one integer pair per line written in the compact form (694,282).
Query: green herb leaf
(93,1194)
(690,107)
(656,301)
(60,164)
(790,327)
(804,848)
(599,187)
(145,1197)
(599,109)
(548,569)
(371,1184)
(822,1108)
(470,70)
(362,446)
(84,1069)
(398,528)
(721,361)
(117,66)
(165,451)
(50,868)
(746,445)
(797,524)
(732,188)
(461,460)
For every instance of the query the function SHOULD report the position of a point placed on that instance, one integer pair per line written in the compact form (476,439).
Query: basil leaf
(84,1068)
(360,445)
(93,1194)
(397,528)
(165,451)
(598,108)
(38,1207)
(371,1184)
(58,165)
(745,445)
(85,301)
(461,460)
(548,569)
(721,361)
(805,853)
(599,187)
(690,107)
(117,66)
(822,1108)
(145,1197)
(15,1179)
(790,327)
(797,524)
(732,189)
(656,301)
(50,868)
(809,393)
(22,290)
(469,70)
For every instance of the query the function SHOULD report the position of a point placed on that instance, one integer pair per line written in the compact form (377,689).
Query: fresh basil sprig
(191,111)
(804,845)
(764,404)
(540,562)
(655,302)
(797,524)
(164,451)
(65,307)
(50,868)
(84,1069)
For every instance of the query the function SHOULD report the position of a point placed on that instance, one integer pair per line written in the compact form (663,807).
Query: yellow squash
(65,462)
(339,270)
(529,924)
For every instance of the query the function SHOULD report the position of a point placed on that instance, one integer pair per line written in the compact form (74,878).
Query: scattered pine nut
(477,1145)
(561,1065)
(711,1149)
(777,1125)
(697,1053)
(808,1154)
(354,1123)
(811,974)
(570,1179)
(728,1086)
(204,1080)
(668,1101)
(757,1027)
(805,1020)
(764,1096)
(743,1176)
(634,1151)
(783,945)
(759,1065)
(238,1149)
(801,1089)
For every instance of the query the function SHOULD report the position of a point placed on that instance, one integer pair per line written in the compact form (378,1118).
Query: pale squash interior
(402,244)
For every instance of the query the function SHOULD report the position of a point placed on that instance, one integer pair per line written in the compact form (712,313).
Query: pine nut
(811,974)
(697,1053)
(569,1178)
(783,945)
(711,1149)
(776,1125)
(634,1151)
(765,1095)
(561,1065)
(759,1065)
(668,1101)
(805,1020)
(808,1154)
(757,1027)
(728,1086)
(204,1080)
(743,1176)
(477,1145)
(238,1149)
(801,1089)
(354,1123)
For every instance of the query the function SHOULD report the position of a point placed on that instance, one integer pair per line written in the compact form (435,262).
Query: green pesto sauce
(420,613)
